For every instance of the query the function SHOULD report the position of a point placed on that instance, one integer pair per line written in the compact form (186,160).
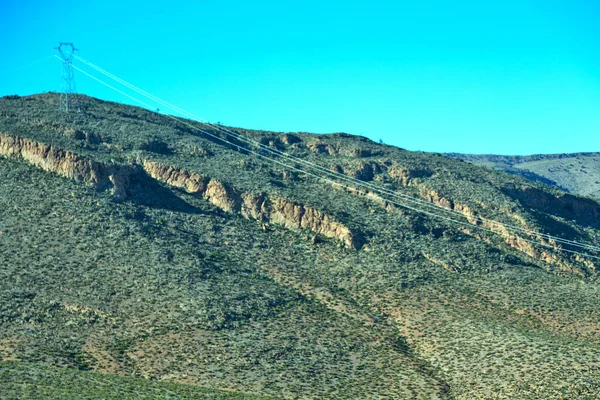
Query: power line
(338,175)
(538,243)
(25,66)
(109,86)
(240,137)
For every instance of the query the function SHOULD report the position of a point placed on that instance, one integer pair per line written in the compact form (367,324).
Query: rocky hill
(577,173)
(142,257)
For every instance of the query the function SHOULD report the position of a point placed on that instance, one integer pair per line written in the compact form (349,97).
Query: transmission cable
(348,187)
(322,169)
(25,66)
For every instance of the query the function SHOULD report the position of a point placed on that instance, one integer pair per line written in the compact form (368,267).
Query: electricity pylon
(68,93)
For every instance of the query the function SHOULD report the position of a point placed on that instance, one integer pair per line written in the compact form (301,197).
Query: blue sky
(510,77)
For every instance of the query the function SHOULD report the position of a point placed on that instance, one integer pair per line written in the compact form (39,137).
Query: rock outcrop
(517,240)
(322,148)
(119,178)
(172,176)
(69,165)
(259,206)
(585,211)
(294,215)
(405,176)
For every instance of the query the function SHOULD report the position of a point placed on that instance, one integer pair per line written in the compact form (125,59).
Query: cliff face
(69,165)
(120,178)
(585,211)
(191,183)
(176,286)
(516,240)
(268,208)
(259,206)
(289,214)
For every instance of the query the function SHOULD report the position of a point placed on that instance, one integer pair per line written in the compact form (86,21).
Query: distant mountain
(577,173)
(147,257)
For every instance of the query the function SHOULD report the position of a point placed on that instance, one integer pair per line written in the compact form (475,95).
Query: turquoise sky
(506,77)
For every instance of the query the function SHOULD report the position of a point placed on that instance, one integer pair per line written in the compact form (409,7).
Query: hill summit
(144,256)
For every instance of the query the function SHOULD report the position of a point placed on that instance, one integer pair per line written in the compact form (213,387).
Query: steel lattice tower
(68,93)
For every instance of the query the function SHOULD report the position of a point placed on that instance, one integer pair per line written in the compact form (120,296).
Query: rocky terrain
(145,257)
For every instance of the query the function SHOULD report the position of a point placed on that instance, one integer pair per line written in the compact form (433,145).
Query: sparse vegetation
(577,173)
(164,294)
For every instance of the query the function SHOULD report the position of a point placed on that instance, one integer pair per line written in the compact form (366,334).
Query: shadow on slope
(584,212)
(149,192)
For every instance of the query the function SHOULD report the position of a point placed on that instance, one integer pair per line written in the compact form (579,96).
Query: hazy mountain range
(577,173)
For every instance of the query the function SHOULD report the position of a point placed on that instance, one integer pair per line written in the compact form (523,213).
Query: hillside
(577,173)
(138,253)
